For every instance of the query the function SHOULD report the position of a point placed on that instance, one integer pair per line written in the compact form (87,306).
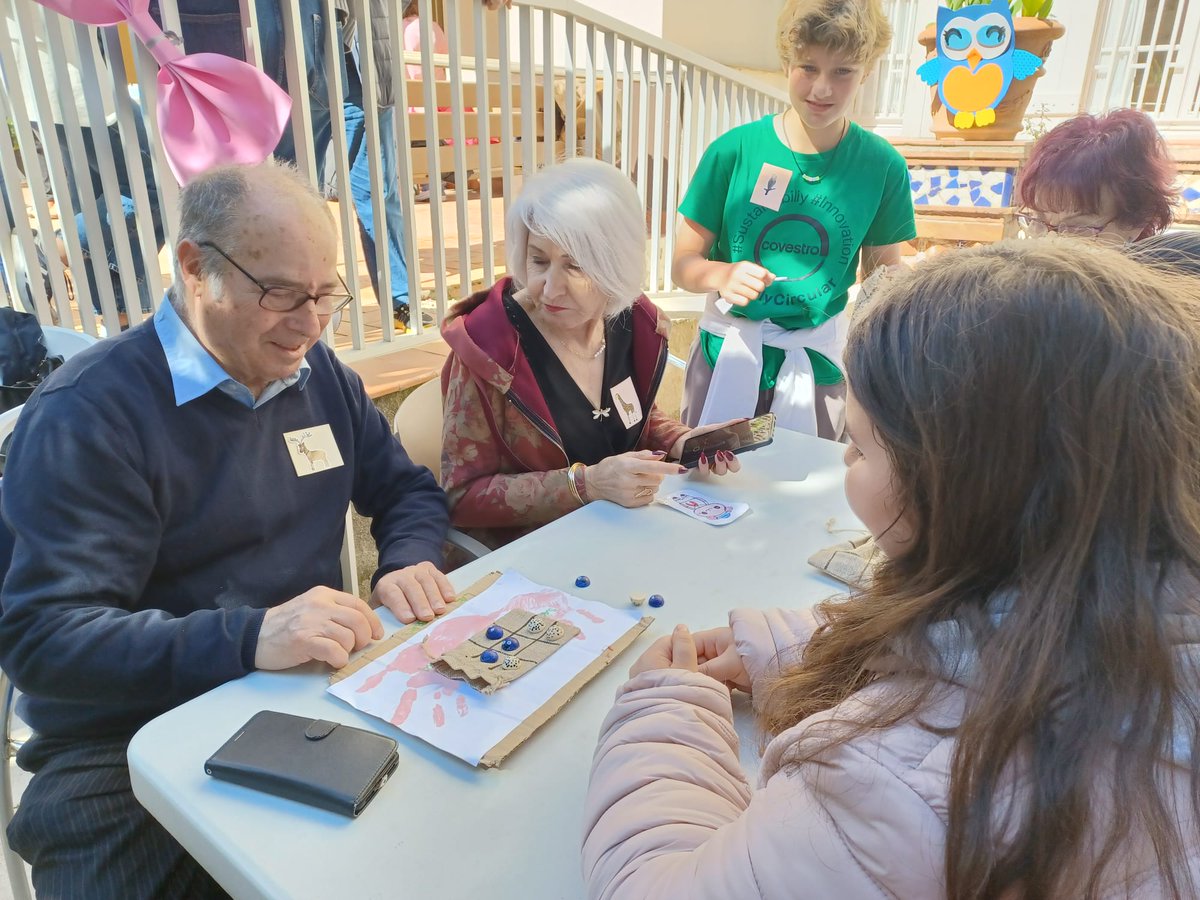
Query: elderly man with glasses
(178,499)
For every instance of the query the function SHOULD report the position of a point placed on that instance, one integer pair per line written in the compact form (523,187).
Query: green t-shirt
(747,190)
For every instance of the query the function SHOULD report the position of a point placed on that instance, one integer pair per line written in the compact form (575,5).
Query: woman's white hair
(592,212)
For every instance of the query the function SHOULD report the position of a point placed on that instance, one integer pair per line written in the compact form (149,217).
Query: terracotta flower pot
(1034,35)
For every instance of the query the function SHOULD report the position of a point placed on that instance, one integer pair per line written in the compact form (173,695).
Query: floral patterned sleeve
(481,494)
(661,431)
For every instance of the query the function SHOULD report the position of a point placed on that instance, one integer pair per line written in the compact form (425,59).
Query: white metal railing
(1144,57)
(624,95)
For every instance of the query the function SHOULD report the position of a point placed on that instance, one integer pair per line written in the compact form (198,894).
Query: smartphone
(757,432)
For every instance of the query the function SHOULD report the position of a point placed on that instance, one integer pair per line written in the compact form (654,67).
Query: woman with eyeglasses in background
(1106,177)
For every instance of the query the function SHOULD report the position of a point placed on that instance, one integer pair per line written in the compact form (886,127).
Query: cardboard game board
(395,680)
(512,646)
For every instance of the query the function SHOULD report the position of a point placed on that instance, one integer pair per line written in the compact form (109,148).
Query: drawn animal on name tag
(313,456)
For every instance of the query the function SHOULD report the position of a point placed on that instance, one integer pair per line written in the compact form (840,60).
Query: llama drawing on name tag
(625,398)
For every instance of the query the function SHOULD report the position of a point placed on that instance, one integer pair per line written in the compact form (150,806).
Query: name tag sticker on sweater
(625,398)
(771,186)
(313,449)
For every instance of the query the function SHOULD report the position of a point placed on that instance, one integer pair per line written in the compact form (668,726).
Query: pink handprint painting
(400,687)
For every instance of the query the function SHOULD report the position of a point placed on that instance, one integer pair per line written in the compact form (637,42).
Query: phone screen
(743,436)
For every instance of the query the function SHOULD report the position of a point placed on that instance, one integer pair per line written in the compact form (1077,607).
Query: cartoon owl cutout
(976,61)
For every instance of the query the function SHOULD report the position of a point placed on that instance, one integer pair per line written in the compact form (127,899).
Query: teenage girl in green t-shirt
(775,221)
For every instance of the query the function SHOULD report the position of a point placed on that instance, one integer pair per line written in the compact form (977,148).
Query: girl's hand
(630,479)
(675,651)
(719,659)
(742,282)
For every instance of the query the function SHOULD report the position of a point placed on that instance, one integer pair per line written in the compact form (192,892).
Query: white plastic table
(440,828)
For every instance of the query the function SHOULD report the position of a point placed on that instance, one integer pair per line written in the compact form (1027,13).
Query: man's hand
(675,651)
(320,624)
(418,592)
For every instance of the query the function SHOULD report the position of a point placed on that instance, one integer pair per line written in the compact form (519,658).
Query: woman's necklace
(546,333)
(597,412)
(814,179)
(587,356)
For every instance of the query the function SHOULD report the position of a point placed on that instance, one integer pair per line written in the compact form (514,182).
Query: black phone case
(762,432)
(324,764)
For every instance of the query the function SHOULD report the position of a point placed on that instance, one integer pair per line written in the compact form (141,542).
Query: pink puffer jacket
(670,813)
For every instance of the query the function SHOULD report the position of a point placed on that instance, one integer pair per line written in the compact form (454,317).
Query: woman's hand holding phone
(718,462)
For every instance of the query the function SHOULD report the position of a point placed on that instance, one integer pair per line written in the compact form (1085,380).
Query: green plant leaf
(1032,8)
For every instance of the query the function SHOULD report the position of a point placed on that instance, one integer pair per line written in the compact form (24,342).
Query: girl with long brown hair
(1011,708)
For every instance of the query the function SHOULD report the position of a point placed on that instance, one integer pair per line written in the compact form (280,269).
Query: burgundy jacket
(503,463)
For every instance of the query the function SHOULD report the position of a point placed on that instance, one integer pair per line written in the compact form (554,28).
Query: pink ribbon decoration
(212,109)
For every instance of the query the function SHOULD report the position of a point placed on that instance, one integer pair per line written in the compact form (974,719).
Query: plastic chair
(15,731)
(418,425)
(15,734)
(65,342)
(8,421)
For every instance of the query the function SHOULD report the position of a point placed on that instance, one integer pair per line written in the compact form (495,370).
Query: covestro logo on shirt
(801,241)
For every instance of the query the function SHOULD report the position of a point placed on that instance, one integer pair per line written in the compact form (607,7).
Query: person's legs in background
(360,190)
(312,29)
(214,26)
(104,254)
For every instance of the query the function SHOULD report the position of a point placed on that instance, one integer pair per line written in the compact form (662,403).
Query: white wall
(739,34)
(1062,87)
(644,14)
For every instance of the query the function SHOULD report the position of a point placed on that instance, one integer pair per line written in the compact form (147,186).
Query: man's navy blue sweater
(151,538)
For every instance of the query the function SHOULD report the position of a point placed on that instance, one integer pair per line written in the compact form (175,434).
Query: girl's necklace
(814,179)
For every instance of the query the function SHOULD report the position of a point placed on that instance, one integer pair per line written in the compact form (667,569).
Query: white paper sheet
(400,688)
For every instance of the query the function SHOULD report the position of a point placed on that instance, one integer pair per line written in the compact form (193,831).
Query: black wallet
(335,767)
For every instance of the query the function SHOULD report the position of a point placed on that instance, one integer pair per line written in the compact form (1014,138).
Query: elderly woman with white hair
(550,385)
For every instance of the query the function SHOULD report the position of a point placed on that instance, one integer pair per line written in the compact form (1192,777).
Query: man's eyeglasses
(279,298)
(1035,227)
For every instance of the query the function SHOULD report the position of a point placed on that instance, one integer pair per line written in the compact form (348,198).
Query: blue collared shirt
(194,372)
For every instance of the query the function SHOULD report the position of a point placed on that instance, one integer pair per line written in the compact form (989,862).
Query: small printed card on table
(704,508)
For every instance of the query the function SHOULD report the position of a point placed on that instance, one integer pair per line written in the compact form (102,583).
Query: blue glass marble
(509,645)
(489,656)
(657,601)
(494,633)
(582,581)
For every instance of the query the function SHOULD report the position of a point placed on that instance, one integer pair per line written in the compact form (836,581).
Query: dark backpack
(24,361)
